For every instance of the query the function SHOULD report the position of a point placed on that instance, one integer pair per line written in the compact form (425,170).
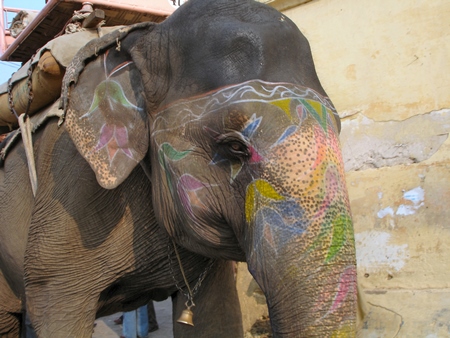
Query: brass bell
(186,317)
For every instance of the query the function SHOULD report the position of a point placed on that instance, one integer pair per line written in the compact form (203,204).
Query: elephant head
(222,106)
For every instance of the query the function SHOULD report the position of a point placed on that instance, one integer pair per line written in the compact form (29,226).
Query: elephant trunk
(306,294)
(300,243)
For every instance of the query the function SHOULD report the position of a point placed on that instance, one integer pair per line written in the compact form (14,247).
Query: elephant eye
(238,148)
(234,145)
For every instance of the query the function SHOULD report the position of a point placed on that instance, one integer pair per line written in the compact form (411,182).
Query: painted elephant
(186,145)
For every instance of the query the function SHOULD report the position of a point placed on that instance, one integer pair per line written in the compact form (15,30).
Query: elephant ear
(106,117)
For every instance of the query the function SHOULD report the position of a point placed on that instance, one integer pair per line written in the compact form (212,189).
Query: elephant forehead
(244,102)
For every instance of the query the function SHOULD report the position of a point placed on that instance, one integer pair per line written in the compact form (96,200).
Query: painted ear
(106,117)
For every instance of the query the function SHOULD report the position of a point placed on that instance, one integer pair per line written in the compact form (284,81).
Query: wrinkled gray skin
(79,251)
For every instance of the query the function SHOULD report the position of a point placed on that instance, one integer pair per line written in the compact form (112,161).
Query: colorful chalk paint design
(110,99)
(314,213)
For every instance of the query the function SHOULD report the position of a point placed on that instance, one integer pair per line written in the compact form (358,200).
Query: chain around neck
(190,292)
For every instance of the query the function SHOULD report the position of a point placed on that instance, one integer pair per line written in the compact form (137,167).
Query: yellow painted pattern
(284,104)
(262,188)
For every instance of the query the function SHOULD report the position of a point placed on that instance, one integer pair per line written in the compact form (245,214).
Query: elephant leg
(62,285)
(68,316)
(62,277)
(9,324)
(62,292)
(10,308)
(217,312)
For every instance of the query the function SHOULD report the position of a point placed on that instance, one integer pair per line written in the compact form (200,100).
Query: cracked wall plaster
(367,143)
(415,197)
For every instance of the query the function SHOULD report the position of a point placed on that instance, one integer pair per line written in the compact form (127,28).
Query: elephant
(184,146)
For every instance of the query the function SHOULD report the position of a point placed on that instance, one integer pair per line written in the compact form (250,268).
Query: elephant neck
(188,288)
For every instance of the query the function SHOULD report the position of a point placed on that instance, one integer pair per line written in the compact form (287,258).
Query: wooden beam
(94,19)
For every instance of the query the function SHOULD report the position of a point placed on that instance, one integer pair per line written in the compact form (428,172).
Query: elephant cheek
(192,194)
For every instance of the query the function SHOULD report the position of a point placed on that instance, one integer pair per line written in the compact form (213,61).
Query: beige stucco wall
(386,66)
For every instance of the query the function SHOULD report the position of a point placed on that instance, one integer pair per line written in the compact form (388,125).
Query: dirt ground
(106,328)
(261,329)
